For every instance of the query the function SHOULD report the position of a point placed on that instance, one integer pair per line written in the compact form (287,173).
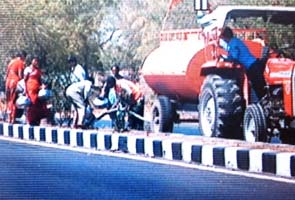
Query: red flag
(173,3)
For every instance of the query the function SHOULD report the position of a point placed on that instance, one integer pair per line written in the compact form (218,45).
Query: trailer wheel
(162,115)
(221,108)
(255,127)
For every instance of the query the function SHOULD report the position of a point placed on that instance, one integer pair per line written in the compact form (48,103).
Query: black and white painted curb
(170,148)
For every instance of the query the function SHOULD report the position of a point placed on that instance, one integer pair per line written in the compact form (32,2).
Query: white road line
(154,160)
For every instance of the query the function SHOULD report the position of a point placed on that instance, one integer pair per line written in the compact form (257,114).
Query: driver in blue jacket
(238,52)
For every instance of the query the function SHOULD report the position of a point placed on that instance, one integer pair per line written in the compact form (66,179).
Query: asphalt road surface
(34,172)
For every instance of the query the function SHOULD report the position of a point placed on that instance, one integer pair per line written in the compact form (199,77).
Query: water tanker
(187,72)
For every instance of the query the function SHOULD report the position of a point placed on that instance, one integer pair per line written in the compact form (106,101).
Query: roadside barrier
(173,147)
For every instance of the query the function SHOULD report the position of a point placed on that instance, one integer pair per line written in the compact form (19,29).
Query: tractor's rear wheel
(162,115)
(255,127)
(221,108)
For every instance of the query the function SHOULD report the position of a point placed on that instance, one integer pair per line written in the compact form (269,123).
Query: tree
(131,31)
(53,30)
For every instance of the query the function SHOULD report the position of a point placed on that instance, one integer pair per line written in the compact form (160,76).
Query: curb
(169,148)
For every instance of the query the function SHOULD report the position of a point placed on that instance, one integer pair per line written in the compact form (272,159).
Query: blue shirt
(238,51)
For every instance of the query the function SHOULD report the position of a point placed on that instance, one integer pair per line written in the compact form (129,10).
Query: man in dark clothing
(116,72)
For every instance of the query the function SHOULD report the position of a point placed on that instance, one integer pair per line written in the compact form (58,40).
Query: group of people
(115,89)
(25,70)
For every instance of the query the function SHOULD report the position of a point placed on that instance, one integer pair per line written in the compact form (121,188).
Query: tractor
(187,72)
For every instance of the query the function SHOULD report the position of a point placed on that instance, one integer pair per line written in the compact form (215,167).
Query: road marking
(154,160)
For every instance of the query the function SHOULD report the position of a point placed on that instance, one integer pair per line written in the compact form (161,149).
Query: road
(34,172)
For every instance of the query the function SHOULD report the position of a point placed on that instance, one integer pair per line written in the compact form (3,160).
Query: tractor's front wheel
(255,127)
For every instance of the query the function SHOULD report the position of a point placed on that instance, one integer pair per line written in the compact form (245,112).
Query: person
(238,52)
(108,98)
(14,74)
(127,93)
(108,92)
(78,73)
(130,93)
(116,72)
(78,94)
(37,109)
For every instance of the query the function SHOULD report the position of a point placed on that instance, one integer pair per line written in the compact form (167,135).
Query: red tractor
(186,73)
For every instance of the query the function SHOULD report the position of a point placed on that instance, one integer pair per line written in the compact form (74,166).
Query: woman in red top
(14,73)
(37,110)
